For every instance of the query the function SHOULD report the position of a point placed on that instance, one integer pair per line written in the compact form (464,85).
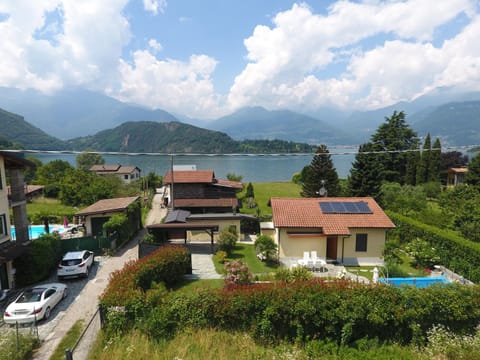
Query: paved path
(86,303)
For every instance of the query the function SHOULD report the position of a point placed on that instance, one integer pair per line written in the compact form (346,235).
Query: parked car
(75,263)
(35,303)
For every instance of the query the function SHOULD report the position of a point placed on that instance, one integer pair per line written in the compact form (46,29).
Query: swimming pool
(419,282)
(34,231)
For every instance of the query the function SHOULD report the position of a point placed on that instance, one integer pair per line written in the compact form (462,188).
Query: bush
(299,273)
(227,241)
(266,246)
(17,347)
(422,253)
(220,256)
(41,258)
(237,273)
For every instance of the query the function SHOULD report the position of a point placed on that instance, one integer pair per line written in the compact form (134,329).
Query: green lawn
(47,206)
(264,191)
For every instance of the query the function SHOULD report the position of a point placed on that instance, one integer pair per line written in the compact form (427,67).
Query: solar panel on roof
(326,207)
(345,207)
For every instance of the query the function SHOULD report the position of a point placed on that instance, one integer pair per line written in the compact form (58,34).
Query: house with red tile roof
(199,191)
(344,230)
(126,173)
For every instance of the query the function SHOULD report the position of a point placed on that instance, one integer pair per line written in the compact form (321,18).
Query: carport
(168,231)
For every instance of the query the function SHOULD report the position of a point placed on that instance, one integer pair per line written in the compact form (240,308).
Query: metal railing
(87,338)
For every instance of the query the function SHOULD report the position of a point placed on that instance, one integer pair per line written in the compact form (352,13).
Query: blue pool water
(419,282)
(35,231)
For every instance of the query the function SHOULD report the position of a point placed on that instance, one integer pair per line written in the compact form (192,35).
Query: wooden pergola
(163,231)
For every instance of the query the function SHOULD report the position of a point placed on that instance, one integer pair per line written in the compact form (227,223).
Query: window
(1,181)
(361,243)
(3,225)
(125,177)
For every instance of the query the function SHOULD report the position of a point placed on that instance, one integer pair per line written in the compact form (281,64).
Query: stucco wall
(292,244)
(4,202)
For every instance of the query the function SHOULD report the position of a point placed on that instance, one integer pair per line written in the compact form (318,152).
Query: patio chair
(306,261)
(318,264)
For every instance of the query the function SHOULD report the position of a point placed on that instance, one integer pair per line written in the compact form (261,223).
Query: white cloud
(288,62)
(155,45)
(183,87)
(84,53)
(154,6)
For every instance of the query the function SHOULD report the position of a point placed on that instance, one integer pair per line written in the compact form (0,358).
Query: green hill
(177,137)
(16,130)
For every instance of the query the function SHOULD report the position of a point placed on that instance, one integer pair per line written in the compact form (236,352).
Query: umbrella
(375,275)
(65,222)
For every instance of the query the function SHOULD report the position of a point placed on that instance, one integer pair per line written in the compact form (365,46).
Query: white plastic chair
(318,264)
(306,259)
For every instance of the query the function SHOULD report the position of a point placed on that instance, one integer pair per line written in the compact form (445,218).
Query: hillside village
(400,230)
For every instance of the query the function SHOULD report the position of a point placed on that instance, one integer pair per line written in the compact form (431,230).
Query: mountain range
(77,119)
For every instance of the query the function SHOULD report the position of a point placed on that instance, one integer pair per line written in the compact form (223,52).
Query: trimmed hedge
(168,264)
(304,311)
(456,253)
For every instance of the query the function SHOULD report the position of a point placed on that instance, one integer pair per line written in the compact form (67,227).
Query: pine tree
(394,139)
(366,173)
(320,169)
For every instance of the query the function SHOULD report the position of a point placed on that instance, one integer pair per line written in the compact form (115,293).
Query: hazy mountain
(75,112)
(456,123)
(15,129)
(259,123)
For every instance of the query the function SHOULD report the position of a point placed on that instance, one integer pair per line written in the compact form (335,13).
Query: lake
(253,167)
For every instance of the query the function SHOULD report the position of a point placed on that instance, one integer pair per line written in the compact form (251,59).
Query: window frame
(361,242)
(3,225)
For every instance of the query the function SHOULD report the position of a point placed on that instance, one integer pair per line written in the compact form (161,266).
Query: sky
(207,58)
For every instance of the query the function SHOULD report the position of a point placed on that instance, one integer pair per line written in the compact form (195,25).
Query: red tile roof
(306,213)
(223,202)
(229,183)
(108,205)
(189,176)
(113,169)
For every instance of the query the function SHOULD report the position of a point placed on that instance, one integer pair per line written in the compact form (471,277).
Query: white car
(35,303)
(75,263)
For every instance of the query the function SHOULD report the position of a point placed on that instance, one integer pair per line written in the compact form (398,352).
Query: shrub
(422,253)
(220,256)
(149,238)
(266,246)
(41,258)
(299,273)
(227,241)
(17,347)
(237,273)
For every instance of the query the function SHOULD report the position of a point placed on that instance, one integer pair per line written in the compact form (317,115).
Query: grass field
(264,191)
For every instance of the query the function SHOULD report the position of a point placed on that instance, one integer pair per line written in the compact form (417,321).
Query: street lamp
(322,191)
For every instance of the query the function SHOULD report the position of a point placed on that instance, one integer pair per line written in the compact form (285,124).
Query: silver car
(75,263)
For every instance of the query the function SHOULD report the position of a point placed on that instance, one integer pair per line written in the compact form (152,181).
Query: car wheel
(65,293)
(47,314)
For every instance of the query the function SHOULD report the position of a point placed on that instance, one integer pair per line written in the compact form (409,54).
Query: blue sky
(207,58)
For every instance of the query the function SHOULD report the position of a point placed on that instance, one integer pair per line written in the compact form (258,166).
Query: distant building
(454,176)
(126,173)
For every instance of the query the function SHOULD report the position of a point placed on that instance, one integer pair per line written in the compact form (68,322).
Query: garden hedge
(339,310)
(456,253)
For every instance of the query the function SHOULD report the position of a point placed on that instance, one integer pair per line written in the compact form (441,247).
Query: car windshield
(71,262)
(31,295)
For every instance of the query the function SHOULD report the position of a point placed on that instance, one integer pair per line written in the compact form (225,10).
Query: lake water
(253,168)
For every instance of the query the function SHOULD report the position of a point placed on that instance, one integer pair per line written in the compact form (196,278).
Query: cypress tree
(435,161)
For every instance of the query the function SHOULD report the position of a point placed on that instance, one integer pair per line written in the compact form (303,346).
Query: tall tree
(365,174)
(473,175)
(394,139)
(423,167)
(320,173)
(435,159)
(87,159)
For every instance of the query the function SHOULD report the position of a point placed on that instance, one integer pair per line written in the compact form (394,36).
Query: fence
(92,243)
(82,347)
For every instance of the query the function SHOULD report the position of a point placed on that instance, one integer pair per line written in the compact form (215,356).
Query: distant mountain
(456,123)
(75,112)
(16,130)
(259,123)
